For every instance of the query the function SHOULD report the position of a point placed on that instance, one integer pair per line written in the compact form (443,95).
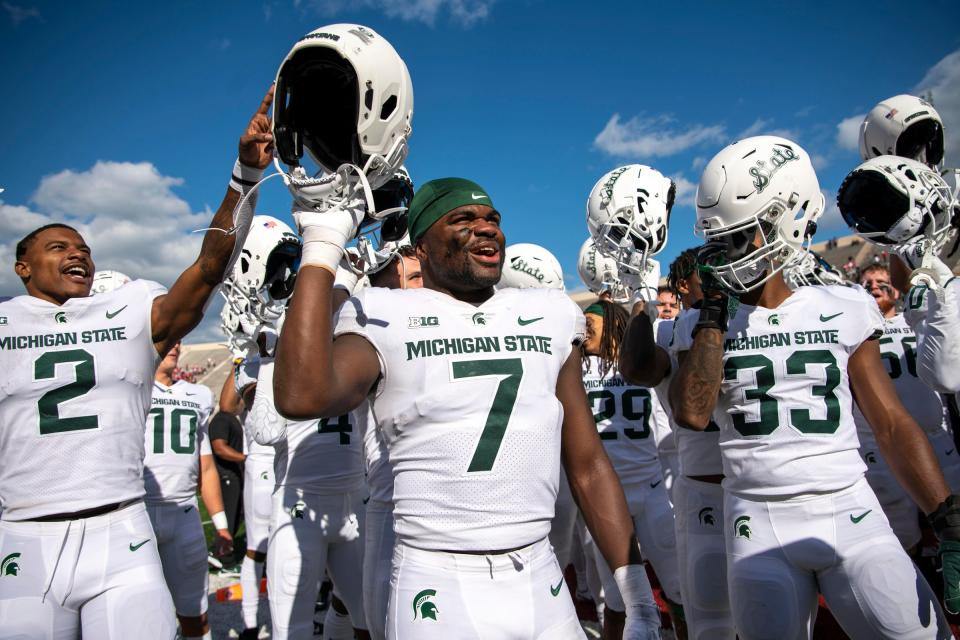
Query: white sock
(250,573)
(337,626)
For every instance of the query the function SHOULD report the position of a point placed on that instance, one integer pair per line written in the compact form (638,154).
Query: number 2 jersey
(467,407)
(785,409)
(74,394)
(176,437)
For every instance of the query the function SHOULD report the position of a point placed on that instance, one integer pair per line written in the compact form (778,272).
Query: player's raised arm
(642,361)
(175,314)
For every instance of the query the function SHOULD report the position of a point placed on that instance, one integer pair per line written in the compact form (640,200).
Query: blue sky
(123,118)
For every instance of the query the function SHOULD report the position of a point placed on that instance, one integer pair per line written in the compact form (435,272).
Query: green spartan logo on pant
(422,606)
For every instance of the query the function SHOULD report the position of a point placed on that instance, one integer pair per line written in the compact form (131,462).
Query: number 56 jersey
(785,409)
(74,393)
(468,409)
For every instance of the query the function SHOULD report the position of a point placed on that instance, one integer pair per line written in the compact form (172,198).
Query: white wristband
(219,520)
(244,178)
(634,586)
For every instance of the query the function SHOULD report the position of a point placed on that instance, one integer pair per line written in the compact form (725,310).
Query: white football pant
(377,564)
(183,553)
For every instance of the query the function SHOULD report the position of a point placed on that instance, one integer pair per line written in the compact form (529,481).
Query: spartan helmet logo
(264,476)
(706,516)
(741,527)
(9,566)
(478,318)
(60,317)
(871,457)
(422,606)
(298,508)
(774,320)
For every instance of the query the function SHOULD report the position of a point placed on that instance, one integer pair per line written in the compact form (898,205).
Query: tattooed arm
(696,384)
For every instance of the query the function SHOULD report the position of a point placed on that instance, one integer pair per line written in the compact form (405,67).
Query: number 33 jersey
(74,395)
(468,409)
(785,409)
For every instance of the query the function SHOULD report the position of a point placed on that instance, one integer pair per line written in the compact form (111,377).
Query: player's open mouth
(486,253)
(77,272)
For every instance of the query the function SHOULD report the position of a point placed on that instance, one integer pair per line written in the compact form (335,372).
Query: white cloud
(126,211)
(653,136)
(463,12)
(848,132)
(762,127)
(20,14)
(698,163)
(686,191)
(942,81)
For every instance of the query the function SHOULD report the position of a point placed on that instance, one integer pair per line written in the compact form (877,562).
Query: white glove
(643,617)
(932,272)
(326,233)
(346,278)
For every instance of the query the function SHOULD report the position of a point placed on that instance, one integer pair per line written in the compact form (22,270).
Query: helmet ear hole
(389,106)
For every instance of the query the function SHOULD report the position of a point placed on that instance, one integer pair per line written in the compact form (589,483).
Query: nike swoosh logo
(524,323)
(476,196)
(949,451)
(555,591)
(366,500)
(111,316)
(653,485)
(134,547)
(824,318)
(187,510)
(857,519)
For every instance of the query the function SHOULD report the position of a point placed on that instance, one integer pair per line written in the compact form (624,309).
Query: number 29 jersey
(785,409)
(74,395)
(467,407)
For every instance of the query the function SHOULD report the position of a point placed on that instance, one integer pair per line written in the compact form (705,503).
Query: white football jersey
(244,376)
(467,407)
(176,437)
(316,456)
(376,459)
(624,416)
(785,409)
(75,391)
(698,451)
(898,351)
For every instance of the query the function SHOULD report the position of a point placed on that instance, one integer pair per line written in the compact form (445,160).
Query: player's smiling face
(463,251)
(57,266)
(877,284)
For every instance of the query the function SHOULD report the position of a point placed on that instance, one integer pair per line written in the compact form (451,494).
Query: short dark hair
(665,288)
(407,251)
(682,268)
(875,267)
(28,239)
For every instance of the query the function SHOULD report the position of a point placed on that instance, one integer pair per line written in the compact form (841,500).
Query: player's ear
(22,269)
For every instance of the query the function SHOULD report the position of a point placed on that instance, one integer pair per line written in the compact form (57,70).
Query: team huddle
(432,423)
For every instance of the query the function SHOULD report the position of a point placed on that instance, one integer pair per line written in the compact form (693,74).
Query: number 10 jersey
(74,394)
(468,409)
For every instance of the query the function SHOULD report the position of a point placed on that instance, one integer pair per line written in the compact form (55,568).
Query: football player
(460,378)
(178,461)
(77,551)
(669,303)
(782,368)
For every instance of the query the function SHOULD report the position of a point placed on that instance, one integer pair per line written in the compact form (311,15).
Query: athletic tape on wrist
(244,178)
(219,520)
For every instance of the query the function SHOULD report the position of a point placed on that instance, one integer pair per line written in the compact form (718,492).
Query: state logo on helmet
(107,280)
(599,272)
(905,126)
(628,212)
(898,202)
(530,266)
(758,191)
(345,97)
(812,269)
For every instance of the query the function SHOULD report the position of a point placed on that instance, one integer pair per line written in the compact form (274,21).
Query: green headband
(436,198)
(596,309)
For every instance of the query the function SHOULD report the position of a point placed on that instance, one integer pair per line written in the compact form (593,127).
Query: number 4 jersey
(468,409)
(74,394)
(176,437)
(785,407)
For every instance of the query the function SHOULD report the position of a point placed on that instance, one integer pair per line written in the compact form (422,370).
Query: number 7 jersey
(468,409)
(74,395)
(785,409)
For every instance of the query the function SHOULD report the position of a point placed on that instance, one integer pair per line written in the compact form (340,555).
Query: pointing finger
(267,100)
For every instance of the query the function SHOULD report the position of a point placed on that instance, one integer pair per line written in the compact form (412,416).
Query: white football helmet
(345,95)
(812,269)
(905,126)
(530,266)
(628,212)
(265,272)
(765,187)
(106,281)
(897,202)
(379,243)
(599,272)
(238,325)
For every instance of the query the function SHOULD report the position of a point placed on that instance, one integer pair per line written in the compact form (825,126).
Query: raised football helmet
(599,272)
(905,126)
(106,281)
(266,270)
(760,189)
(383,234)
(812,269)
(628,212)
(345,96)
(530,266)
(898,202)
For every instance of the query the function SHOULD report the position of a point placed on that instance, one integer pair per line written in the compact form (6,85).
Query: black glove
(714,308)
(946,523)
